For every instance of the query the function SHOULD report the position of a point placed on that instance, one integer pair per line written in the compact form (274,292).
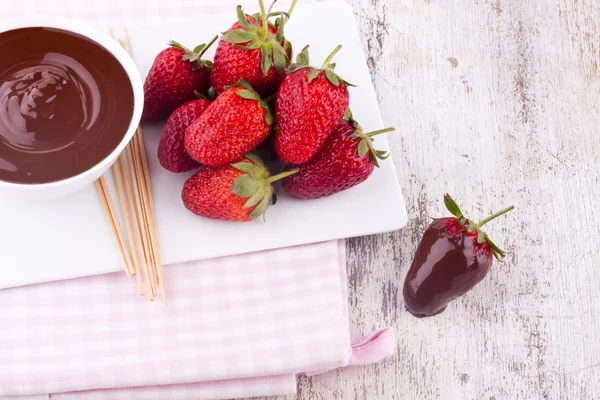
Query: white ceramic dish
(73,184)
(69,237)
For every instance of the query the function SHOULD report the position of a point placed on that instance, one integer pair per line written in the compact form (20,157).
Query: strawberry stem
(291,10)
(265,21)
(270,97)
(379,132)
(496,215)
(214,39)
(282,175)
(330,57)
(271,8)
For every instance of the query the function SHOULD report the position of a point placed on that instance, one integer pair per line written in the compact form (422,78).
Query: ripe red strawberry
(310,103)
(235,123)
(253,50)
(236,192)
(175,75)
(171,150)
(346,159)
(453,256)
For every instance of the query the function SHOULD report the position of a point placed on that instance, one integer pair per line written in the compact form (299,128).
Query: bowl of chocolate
(70,101)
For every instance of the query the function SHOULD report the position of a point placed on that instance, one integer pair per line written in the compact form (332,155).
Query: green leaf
(288,48)
(280,59)
(246,167)
(242,19)
(245,186)
(269,116)
(452,206)
(199,95)
(480,236)
(177,45)
(332,66)
(375,161)
(199,48)
(248,94)
(238,36)
(331,77)
(252,156)
(243,83)
(250,46)
(348,114)
(295,67)
(347,83)
(254,199)
(382,154)
(196,65)
(261,208)
(303,58)
(363,148)
(313,73)
(266,60)
(256,17)
(472,226)
(498,253)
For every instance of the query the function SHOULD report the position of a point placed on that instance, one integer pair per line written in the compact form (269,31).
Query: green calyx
(366,143)
(476,227)
(256,184)
(195,56)
(255,34)
(249,93)
(303,61)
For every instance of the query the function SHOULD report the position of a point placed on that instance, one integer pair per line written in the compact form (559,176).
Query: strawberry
(171,151)
(346,159)
(453,256)
(253,50)
(235,192)
(235,123)
(310,103)
(175,75)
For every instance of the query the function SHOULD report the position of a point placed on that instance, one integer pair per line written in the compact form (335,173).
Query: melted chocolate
(445,267)
(65,104)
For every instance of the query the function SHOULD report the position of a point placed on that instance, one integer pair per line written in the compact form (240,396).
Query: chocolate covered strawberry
(253,50)
(240,191)
(176,73)
(235,123)
(171,150)
(453,256)
(310,103)
(346,159)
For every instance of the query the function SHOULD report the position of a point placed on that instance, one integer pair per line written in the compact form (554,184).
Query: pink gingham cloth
(235,327)
(238,326)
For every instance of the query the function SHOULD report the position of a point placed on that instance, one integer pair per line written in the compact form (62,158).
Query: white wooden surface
(496,102)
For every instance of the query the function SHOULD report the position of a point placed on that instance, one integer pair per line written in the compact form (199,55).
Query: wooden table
(496,102)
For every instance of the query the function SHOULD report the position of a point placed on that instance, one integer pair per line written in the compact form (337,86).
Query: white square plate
(69,237)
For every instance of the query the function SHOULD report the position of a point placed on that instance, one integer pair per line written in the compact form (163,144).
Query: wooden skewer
(114,223)
(134,219)
(134,188)
(121,193)
(139,199)
(120,175)
(140,231)
(146,193)
(153,233)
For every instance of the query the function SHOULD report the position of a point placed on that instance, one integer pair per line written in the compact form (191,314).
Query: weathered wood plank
(496,102)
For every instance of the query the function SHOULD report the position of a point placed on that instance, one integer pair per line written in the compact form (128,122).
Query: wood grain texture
(497,103)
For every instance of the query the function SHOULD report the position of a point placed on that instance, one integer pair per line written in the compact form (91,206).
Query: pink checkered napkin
(263,314)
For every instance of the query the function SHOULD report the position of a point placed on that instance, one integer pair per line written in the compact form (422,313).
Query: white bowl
(70,185)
